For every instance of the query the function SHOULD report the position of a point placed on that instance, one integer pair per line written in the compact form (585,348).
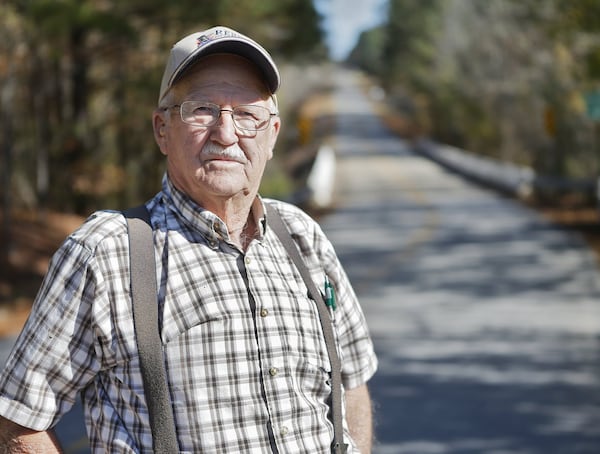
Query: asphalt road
(485,317)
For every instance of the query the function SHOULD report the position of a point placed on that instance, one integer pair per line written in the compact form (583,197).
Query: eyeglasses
(250,118)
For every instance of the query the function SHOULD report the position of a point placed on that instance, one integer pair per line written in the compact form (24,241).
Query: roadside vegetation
(514,80)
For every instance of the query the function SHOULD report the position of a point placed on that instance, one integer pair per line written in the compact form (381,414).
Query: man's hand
(359,417)
(16,439)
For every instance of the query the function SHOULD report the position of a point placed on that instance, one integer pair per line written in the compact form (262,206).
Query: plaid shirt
(245,356)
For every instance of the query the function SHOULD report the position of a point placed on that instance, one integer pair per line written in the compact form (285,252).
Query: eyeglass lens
(246,117)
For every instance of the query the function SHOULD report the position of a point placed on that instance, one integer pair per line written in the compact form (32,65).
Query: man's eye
(248,114)
(203,110)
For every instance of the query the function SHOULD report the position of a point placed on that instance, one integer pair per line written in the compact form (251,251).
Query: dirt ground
(31,242)
(586,221)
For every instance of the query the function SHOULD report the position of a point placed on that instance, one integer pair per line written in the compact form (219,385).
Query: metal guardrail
(518,181)
(321,179)
(316,193)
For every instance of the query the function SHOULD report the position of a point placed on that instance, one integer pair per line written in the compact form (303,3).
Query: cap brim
(237,47)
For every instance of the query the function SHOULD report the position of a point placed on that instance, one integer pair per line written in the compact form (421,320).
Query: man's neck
(235,212)
(237,216)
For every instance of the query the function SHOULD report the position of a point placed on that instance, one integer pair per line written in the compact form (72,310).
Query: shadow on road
(487,392)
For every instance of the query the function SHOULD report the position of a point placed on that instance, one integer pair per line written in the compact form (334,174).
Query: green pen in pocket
(329,294)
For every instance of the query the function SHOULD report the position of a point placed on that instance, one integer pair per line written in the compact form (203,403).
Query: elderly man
(245,357)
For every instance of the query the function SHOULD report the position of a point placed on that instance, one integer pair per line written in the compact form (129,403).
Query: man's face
(195,161)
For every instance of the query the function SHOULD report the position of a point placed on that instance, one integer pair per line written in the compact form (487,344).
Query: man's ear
(274,128)
(159,124)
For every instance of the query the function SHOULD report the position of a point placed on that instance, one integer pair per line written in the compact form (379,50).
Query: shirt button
(273,371)
(283,431)
(247,260)
(264,312)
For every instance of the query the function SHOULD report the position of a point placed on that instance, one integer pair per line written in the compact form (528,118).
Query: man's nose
(224,130)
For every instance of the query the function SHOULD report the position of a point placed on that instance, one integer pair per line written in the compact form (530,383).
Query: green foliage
(369,51)
(52,18)
(408,44)
(504,78)
(592,63)
(577,15)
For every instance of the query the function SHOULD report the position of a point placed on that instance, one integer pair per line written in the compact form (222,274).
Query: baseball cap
(217,39)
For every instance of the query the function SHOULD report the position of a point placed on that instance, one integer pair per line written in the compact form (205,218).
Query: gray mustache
(233,152)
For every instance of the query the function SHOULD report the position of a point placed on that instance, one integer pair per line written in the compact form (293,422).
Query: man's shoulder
(99,228)
(294,217)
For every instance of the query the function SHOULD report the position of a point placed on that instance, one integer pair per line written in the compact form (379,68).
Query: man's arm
(16,439)
(359,417)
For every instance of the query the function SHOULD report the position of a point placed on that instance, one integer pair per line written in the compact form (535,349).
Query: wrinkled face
(220,161)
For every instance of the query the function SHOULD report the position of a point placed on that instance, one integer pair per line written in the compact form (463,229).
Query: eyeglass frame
(221,110)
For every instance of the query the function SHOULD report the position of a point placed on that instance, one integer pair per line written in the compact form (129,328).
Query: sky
(344,20)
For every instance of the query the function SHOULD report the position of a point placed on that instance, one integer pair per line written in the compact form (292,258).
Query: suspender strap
(276,223)
(145,319)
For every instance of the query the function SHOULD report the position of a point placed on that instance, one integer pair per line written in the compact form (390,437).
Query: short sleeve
(53,357)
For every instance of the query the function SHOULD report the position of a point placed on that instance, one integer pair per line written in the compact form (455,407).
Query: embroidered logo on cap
(216,35)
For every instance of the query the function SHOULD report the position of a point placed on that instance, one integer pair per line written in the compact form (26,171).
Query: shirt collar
(201,220)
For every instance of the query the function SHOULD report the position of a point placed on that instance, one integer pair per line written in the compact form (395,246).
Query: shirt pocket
(311,387)
(313,379)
